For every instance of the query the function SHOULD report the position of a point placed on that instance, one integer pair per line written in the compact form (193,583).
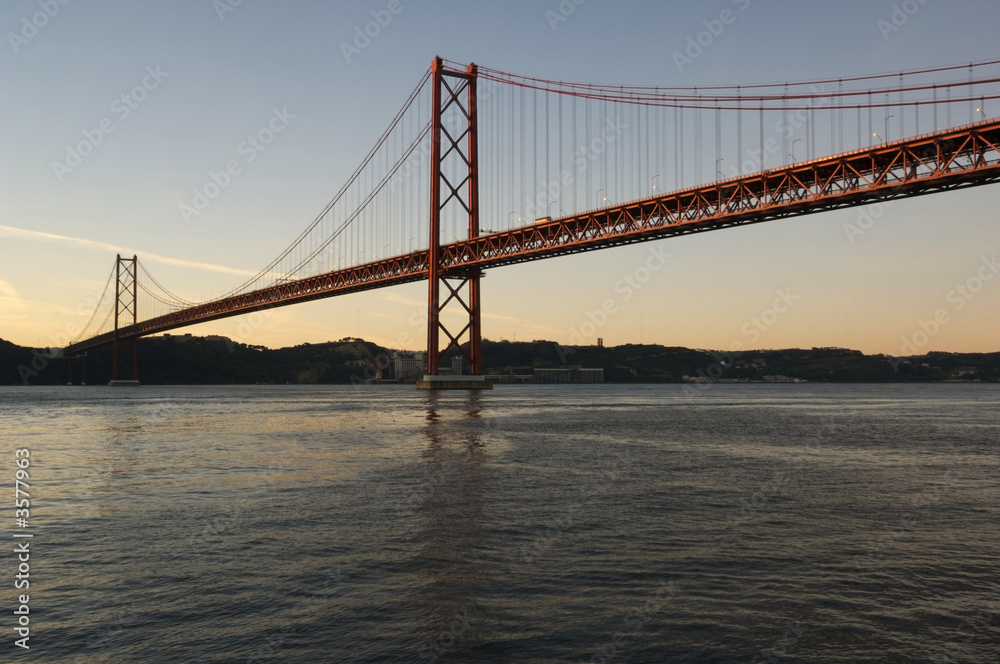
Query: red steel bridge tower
(454,184)
(125,352)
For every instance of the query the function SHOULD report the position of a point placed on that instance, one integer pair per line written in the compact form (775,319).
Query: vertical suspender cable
(739,132)
(871,131)
(718,141)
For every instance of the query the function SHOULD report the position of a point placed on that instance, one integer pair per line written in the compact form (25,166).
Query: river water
(611,523)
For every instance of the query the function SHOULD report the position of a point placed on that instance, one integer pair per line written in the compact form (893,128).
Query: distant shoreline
(218,361)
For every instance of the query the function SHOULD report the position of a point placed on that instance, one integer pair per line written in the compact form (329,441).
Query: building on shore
(568,375)
(409,367)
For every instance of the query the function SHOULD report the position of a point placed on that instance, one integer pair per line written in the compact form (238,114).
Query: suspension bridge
(482,168)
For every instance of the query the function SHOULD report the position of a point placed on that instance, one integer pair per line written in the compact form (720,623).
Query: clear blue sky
(221,73)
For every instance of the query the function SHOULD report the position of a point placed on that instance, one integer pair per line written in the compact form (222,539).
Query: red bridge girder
(963,157)
(957,158)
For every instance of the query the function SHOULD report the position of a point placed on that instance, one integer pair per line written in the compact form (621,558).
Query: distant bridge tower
(125,361)
(454,186)
(74,362)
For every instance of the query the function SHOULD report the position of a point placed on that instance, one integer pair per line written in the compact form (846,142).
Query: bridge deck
(963,157)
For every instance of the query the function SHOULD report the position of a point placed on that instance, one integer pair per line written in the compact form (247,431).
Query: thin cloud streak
(38,236)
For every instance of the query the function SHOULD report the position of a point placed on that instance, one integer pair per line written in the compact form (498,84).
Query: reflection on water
(799,523)
(455,526)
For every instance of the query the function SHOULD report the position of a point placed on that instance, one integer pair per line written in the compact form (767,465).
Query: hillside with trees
(191,360)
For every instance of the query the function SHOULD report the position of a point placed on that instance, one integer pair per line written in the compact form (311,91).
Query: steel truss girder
(963,157)
(949,160)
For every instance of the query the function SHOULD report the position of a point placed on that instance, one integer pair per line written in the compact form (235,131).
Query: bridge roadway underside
(963,157)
